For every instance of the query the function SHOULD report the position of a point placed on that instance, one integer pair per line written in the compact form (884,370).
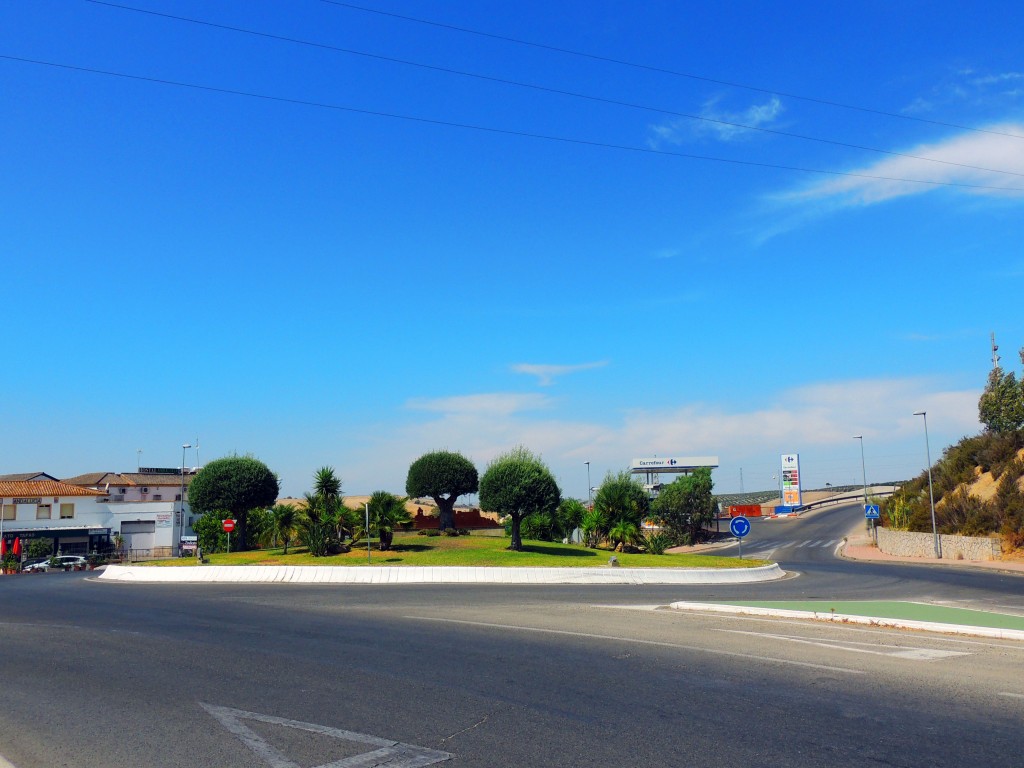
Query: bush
(657,543)
(451,531)
(429,532)
(463,531)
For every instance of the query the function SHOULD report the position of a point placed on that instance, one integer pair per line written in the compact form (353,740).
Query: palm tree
(285,523)
(623,532)
(387,511)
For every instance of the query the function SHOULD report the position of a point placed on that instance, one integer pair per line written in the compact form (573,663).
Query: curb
(843,618)
(324,574)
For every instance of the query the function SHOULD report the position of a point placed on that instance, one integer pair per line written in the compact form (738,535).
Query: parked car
(37,566)
(68,561)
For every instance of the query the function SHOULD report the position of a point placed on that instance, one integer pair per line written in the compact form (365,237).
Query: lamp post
(368,533)
(181,513)
(864,477)
(931,493)
(590,497)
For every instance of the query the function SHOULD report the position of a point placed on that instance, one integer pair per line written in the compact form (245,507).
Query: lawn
(410,549)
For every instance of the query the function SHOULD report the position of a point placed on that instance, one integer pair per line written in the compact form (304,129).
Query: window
(122,490)
(43,512)
(67,511)
(10,511)
(157,496)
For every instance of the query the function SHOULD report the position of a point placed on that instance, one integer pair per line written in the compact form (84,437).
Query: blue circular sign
(739,527)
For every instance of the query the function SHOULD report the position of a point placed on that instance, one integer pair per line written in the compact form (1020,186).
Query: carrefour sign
(672,463)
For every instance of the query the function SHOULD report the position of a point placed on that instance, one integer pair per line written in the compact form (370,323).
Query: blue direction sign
(739,527)
(871,511)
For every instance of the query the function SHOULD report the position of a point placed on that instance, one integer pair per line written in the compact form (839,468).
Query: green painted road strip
(895,609)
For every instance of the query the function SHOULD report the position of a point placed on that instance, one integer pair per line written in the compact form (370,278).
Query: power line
(499,131)
(547,89)
(661,70)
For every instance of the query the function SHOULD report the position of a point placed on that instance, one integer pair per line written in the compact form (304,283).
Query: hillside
(979,491)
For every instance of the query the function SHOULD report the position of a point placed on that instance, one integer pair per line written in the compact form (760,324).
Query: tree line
(517,485)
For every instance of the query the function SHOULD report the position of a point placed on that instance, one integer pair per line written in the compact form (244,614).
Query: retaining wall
(910,544)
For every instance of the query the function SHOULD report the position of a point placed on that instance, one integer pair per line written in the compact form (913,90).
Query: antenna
(197,453)
(138,466)
(995,350)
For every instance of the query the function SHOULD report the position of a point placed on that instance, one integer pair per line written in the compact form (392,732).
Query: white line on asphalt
(804,544)
(900,652)
(699,649)
(842,627)
(1012,695)
(4,763)
(817,543)
(393,754)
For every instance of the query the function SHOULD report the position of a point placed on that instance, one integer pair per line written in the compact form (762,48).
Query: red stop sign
(229,525)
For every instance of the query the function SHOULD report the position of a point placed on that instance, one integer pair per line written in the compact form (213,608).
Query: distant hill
(979,490)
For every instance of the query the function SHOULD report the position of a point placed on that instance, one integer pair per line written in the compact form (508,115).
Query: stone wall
(908,544)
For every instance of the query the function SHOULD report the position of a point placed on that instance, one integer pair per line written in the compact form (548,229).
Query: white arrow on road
(393,754)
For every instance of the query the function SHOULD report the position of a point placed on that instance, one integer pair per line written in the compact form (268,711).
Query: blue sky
(315,285)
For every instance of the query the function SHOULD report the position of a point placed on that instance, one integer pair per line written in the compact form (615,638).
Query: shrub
(430,532)
(463,531)
(657,543)
(451,531)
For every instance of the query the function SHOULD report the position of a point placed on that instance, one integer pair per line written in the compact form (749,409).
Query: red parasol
(16,549)
(3,547)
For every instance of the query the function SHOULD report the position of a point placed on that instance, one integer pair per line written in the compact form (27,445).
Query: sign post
(739,527)
(871,513)
(229,526)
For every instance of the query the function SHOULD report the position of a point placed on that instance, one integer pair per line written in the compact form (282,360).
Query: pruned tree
(233,485)
(518,484)
(443,476)
(686,506)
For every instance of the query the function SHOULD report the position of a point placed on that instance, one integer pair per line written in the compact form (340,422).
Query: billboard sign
(791,496)
(672,463)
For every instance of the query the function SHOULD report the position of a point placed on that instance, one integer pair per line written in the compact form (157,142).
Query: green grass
(410,549)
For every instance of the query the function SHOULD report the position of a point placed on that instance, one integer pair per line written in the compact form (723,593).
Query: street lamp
(863,471)
(590,498)
(931,493)
(181,514)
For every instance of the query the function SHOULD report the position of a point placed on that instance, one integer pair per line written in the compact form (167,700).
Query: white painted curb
(327,574)
(843,618)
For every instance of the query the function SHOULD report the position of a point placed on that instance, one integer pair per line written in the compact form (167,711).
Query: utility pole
(995,351)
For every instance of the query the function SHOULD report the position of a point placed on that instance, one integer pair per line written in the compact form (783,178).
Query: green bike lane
(887,613)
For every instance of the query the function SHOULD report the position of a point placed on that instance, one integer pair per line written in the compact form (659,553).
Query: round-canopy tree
(233,484)
(443,476)
(518,484)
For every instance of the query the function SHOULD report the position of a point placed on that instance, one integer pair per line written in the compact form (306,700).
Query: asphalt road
(96,674)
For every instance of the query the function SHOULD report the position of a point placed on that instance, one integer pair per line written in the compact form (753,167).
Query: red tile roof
(42,488)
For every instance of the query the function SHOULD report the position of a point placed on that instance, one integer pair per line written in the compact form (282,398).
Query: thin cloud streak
(983,150)
(546,374)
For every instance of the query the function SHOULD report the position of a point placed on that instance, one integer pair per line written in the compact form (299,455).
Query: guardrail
(840,499)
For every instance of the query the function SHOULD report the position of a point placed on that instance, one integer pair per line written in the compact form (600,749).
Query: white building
(85,513)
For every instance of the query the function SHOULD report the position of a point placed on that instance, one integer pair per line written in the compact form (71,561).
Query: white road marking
(635,641)
(4,763)
(843,627)
(1012,695)
(804,544)
(899,652)
(393,754)
(816,543)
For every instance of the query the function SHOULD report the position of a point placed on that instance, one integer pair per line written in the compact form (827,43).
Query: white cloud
(718,123)
(891,176)
(546,373)
(817,420)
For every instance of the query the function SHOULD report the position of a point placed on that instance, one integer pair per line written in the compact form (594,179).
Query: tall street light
(931,493)
(590,498)
(863,471)
(864,476)
(181,521)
